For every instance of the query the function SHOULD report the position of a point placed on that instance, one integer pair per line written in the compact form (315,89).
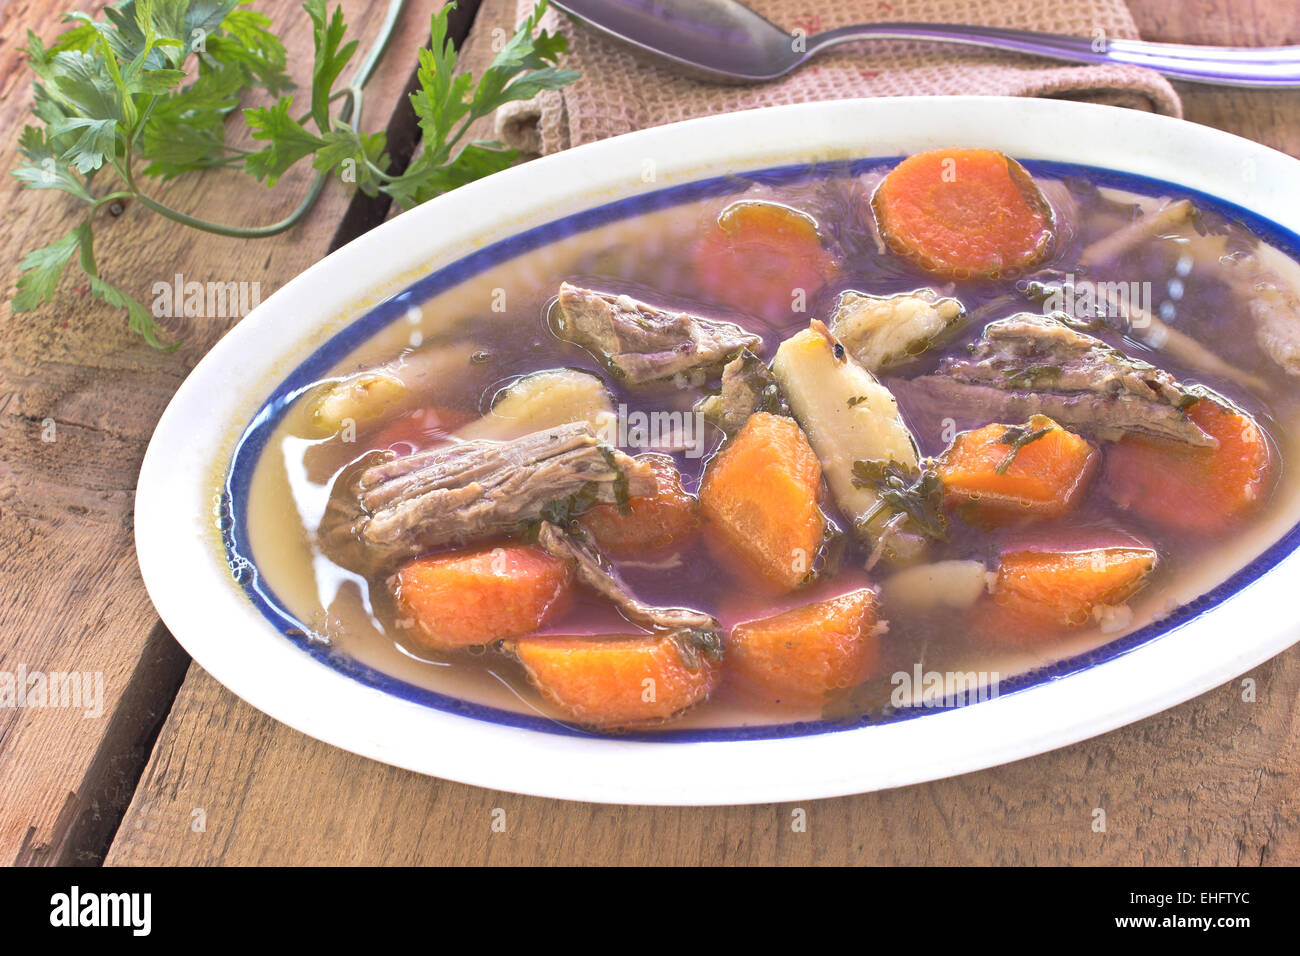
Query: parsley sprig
(915,493)
(1017,437)
(147,93)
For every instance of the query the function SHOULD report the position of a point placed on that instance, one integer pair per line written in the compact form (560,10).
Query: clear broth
(502,314)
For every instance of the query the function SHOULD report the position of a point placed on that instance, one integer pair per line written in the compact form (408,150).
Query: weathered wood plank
(1266,117)
(79,396)
(1213,781)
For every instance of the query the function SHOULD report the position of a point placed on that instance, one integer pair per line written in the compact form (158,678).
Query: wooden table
(179,771)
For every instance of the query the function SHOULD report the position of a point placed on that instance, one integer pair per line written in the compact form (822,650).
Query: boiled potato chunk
(372,394)
(939,584)
(544,400)
(361,398)
(847,415)
(882,331)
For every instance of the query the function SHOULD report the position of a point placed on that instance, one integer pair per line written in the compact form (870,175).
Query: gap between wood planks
(115,772)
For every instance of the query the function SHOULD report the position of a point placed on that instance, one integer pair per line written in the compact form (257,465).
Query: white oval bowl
(192,587)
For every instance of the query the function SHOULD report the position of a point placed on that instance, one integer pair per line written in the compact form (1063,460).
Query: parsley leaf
(448,103)
(918,494)
(359,154)
(694,643)
(289,140)
(1018,436)
(331,58)
(42,169)
(147,90)
(42,269)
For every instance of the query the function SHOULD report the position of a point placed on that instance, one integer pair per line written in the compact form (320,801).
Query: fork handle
(1275,67)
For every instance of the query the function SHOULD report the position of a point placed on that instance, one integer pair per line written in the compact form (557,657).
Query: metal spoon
(725,41)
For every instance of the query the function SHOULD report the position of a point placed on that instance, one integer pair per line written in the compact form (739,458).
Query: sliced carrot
(651,522)
(1041,594)
(759,500)
(757,257)
(468,597)
(1189,488)
(803,654)
(964,213)
(998,471)
(615,680)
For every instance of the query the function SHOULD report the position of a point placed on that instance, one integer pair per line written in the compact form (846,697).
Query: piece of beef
(1030,364)
(642,343)
(593,570)
(748,386)
(1271,295)
(388,509)
(1276,311)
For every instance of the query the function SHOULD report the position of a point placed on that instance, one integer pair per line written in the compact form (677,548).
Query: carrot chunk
(964,213)
(468,597)
(616,680)
(759,254)
(803,654)
(652,522)
(759,499)
(1038,469)
(1194,489)
(1042,594)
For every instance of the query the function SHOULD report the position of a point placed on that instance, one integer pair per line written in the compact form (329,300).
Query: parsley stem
(111,197)
(239,232)
(371,60)
(464,128)
(333,96)
(144,119)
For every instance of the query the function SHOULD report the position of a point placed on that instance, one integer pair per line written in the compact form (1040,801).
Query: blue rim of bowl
(252,442)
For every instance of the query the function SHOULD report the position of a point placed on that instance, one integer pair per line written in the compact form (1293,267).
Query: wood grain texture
(1209,782)
(1271,118)
(1213,781)
(70,592)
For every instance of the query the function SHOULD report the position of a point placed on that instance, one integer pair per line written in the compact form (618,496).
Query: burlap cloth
(621,91)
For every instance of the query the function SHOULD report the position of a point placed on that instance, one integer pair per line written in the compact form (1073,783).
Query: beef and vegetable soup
(832,444)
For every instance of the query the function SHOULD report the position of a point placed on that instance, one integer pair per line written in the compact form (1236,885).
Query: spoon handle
(1229,66)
